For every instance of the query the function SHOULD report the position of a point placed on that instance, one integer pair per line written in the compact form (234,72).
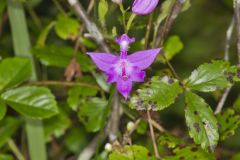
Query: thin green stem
(148,30)
(22,47)
(15,150)
(59,7)
(123,17)
(129,23)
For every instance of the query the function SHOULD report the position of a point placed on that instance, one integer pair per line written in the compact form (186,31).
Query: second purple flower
(144,7)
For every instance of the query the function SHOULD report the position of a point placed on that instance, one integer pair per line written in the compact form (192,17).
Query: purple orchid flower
(144,7)
(124,69)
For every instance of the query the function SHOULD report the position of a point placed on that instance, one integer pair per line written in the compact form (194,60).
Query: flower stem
(129,23)
(22,46)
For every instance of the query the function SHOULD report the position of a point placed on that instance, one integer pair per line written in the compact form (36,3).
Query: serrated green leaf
(209,77)
(77,93)
(67,28)
(134,152)
(3,109)
(13,71)
(43,35)
(228,123)
(8,127)
(201,121)
(56,125)
(34,102)
(157,94)
(92,114)
(172,46)
(169,140)
(60,56)
(190,153)
(102,10)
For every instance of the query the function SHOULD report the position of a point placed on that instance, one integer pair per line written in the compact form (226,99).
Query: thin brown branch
(157,126)
(226,57)
(175,10)
(90,26)
(153,135)
(237,17)
(63,83)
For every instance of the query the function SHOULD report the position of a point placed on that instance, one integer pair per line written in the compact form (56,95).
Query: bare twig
(90,26)
(63,83)
(157,126)
(153,135)
(114,119)
(176,9)
(226,57)
(237,17)
(89,151)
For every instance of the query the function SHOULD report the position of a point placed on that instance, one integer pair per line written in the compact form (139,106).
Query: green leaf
(190,153)
(76,139)
(157,94)
(14,71)
(134,152)
(236,104)
(209,77)
(35,102)
(60,56)
(102,10)
(228,122)
(8,127)
(56,125)
(67,28)
(169,140)
(236,157)
(88,43)
(2,7)
(201,121)
(142,127)
(43,35)
(165,9)
(172,46)
(92,114)
(76,95)
(6,157)
(3,109)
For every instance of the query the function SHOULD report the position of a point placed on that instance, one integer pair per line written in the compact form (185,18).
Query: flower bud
(108,147)
(130,126)
(144,7)
(117,1)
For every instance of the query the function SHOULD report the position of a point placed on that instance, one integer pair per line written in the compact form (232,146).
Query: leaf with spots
(92,114)
(169,140)
(157,94)
(134,152)
(209,77)
(190,153)
(228,123)
(201,121)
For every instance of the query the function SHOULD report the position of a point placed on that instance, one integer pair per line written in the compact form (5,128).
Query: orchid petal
(143,59)
(124,86)
(138,76)
(112,76)
(144,7)
(104,61)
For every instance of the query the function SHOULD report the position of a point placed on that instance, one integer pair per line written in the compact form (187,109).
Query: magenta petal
(138,75)
(143,59)
(104,61)
(144,7)
(112,76)
(124,87)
